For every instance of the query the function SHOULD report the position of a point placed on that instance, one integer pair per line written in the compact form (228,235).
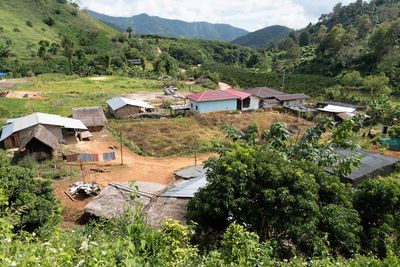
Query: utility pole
(122,155)
(283,80)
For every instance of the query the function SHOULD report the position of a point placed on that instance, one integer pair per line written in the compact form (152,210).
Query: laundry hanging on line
(109,156)
(88,157)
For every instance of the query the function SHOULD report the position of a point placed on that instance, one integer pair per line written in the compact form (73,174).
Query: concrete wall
(213,106)
(254,103)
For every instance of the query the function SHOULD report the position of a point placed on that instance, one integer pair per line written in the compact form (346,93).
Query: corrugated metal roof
(240,94)
(264,92)
(336,109)
(212,95)
(18,124)
(119,102)
(289,97)
(371,164)
(187,188)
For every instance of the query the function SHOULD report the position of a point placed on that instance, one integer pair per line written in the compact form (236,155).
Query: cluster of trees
(279,188)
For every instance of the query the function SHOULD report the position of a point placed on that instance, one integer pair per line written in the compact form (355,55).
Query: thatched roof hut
(40,143)
(92,117)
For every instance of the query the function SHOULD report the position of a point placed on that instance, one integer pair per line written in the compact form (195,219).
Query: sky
(247,14)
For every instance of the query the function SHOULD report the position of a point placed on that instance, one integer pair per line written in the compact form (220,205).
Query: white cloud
(250,14)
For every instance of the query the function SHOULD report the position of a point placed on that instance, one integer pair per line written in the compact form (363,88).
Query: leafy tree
(68,45)
(31,199)
(129,30)
(43,44)
(279,190)
(364,26)
(352,78)
(304,38)
(377,84)
(377,107)
(49,21)
(378,203)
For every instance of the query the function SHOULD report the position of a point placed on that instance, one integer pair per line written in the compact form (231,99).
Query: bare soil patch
(159,97)
(25,94)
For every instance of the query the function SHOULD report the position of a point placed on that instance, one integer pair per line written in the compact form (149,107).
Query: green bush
(49,21)
(394,131)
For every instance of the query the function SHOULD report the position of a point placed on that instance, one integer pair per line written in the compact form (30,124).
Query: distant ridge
(263,37)
(145,24)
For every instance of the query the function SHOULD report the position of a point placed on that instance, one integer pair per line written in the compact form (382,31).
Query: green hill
(145,24)
(263,37)
(23,26)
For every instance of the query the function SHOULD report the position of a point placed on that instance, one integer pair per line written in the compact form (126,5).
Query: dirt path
(224,86)
(135,167)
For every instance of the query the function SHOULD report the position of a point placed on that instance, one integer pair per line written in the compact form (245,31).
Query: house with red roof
(222,100)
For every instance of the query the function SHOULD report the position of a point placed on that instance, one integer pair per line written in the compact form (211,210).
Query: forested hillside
(145,24)
(54,36)
(263,37)
(24,23)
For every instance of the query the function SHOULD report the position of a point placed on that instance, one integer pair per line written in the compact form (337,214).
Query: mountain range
(145,24)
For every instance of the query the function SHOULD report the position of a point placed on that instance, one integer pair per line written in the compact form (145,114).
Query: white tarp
(119,102)
(337,109)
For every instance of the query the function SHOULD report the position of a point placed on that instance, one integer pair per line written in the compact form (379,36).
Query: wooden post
(82,170)
(122,155)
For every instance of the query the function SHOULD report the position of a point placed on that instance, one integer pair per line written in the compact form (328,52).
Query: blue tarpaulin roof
(2,74)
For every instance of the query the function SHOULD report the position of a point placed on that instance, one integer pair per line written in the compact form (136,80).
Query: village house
(17,131)
(222,100)
(125,108)
(92,117)
(271,97)
(292,100)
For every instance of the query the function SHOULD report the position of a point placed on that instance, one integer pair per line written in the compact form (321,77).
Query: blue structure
(219,100)
(213,106)
(3,74)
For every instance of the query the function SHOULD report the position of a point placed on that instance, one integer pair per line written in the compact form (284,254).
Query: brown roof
(90,116)
(264,92)
(39,132)
(288,97)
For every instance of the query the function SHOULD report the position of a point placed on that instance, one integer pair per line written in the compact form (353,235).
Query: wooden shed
(124,108)
(92,117)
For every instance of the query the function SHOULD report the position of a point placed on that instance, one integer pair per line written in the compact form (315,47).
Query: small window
(246,102)
(191,105)
(197,108)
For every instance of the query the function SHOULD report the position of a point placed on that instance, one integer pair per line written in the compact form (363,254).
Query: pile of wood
(89,189)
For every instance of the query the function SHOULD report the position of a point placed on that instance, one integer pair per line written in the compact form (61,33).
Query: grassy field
(182,136)
(61,93)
